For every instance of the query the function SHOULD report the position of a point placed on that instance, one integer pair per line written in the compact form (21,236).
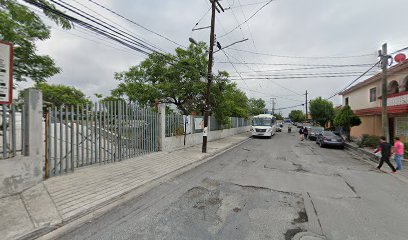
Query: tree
(278,116)
(61,95)
(297,116)
(22,27)
(178,79)
(166,78)
(256,106)
(322,111)
(228,101)
(346,119)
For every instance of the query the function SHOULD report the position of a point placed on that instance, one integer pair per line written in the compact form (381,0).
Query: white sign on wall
(6,72)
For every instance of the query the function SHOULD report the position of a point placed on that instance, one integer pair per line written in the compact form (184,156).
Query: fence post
(162,126)
(33,136)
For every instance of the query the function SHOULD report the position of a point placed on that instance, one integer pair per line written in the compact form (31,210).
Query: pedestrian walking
(385,149)
(398,152)
(305,132)
(301,134)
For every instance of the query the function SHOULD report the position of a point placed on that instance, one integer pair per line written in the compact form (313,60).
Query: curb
(43,231)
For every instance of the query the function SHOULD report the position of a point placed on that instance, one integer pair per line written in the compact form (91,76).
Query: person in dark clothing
(305,132)
(301,134)
(385,149)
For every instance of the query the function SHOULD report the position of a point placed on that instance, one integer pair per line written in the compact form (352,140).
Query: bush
(369,141)
(405,150)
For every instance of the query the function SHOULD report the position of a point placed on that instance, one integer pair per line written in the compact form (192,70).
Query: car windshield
(329,134)
(261,122)
(316,129)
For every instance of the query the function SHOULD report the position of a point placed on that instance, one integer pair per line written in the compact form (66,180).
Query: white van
(263,125)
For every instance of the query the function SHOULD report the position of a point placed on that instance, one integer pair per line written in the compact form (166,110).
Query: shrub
(405,150)
(369,141)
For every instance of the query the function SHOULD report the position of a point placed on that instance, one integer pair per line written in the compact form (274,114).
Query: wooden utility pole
(306,106)
(208,91)
(273,105)
(384,65)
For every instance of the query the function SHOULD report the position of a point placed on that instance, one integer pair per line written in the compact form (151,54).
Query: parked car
(328,138)
(278,128)
(314,131)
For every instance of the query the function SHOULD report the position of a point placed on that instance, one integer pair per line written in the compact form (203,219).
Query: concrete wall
(20,173)
(177,142)
(360,98)
(371,125)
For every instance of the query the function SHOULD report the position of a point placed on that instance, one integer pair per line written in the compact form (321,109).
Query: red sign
(400,57)
(6,72)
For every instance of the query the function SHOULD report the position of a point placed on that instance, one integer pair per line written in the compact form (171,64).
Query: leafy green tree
(297,116)
(227,101)
(61,95)
(346,119)
(256,106)
(166,78)
(278,116)
(321,110)
(22,27)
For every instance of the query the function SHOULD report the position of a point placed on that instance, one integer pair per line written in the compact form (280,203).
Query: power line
(355,80)
(293,77)
(123,35)
(296,64)
(253,15)
(137,24)
(303,68)
(111,21)
(302,57)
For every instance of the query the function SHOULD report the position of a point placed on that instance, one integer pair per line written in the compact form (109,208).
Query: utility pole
(208,91)
(306,107)
(384,65)
(273,100)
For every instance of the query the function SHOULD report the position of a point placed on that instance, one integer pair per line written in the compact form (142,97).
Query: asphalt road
(265,189)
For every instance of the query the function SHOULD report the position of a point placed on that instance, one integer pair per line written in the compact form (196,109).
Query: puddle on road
(220,210)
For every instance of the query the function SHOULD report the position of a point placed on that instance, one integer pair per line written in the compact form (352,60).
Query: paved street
(265,189)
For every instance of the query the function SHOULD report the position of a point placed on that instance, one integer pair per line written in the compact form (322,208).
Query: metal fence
(174,125)
(97,134)
(11,130)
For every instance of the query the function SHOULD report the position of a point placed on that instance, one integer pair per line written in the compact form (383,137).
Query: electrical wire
(253,15)
(123,35)
(137,24)
(302,57)
(355,80)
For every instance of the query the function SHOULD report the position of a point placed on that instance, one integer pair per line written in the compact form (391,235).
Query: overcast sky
(341,32)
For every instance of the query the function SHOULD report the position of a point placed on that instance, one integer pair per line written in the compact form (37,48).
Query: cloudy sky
(292,46)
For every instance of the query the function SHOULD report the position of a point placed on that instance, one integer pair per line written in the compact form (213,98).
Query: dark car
(314,131)
(328,138)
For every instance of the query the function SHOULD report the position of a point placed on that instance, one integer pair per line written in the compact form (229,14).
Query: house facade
(365,100)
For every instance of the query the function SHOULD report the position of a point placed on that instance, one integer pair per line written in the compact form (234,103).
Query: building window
(393,87)
(373,94)
(346,101)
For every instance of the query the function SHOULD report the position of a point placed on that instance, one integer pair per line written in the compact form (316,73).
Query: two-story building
(365,100)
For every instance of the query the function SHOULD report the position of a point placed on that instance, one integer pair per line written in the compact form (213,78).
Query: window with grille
(373,94)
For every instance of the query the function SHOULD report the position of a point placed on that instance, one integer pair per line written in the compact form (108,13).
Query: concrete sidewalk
(62,199)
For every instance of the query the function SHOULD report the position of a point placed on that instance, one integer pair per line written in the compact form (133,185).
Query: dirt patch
(290,233)
(237,209)
(302,218)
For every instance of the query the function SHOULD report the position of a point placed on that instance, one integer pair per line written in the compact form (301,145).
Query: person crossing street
(385,149)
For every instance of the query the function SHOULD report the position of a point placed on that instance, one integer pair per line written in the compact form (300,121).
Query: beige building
(365,100)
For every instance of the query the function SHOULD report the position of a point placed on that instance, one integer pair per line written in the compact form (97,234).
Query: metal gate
(98,133)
